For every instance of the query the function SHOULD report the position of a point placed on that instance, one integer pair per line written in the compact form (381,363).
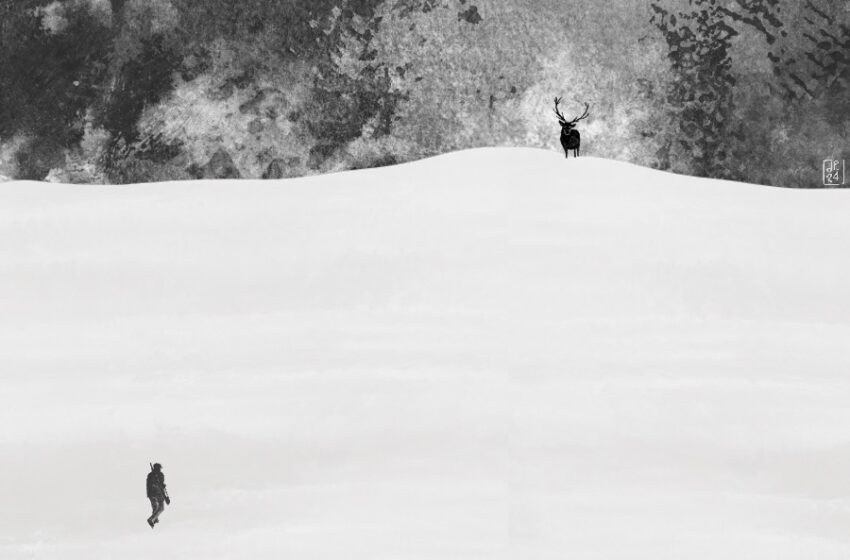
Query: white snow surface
(490,354)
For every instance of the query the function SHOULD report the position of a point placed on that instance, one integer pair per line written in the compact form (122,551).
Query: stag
(570,137)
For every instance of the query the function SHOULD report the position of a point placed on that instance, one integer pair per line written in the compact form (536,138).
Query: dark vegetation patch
(47,82)
(470,15)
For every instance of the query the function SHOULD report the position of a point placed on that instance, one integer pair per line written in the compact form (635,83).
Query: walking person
(156,493)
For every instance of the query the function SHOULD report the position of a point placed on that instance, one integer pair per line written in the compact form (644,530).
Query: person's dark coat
(156,484)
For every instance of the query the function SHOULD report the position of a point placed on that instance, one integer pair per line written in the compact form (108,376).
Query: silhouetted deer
(570,138)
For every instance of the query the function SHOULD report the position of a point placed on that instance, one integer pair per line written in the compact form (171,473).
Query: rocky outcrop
(281,168)
(220,166)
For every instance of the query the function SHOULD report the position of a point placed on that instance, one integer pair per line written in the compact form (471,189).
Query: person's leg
(160,506)
(154,506)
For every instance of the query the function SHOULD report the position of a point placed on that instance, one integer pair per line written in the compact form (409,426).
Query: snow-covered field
(490,354)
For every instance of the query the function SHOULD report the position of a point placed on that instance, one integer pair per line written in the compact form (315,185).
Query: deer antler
(561,118)
(584,115)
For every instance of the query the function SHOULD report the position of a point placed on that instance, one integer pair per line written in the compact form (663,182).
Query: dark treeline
(725,123)
(117,91)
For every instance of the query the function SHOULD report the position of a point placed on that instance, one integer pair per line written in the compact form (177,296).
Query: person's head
(157,467)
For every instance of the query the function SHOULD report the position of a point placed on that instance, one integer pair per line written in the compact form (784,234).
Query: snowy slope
(490,354)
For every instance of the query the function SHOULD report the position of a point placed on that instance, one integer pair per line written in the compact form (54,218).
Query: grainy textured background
(118,91)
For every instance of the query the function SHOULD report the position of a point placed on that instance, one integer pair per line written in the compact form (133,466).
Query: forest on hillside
(128,91)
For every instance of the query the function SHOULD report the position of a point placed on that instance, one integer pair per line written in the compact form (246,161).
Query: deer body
(570,140)
(570,137)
